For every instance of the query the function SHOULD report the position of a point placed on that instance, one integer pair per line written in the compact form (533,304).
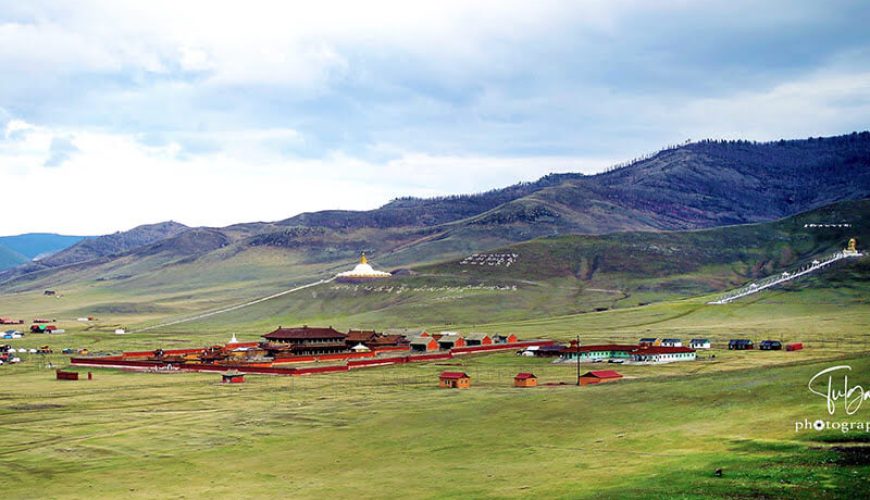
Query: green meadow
(391,432)
(660,432)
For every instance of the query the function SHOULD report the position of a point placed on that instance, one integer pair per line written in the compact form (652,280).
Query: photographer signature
(823,384)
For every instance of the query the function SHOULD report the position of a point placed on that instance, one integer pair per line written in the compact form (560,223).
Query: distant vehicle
(44,350)
(740,345)
(770,345)
(797,346)
(69,350)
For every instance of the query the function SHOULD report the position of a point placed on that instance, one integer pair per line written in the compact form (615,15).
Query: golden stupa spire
(362,258)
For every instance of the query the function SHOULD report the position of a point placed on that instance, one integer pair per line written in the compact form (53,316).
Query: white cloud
(115,182)
(220,112)
(823,103)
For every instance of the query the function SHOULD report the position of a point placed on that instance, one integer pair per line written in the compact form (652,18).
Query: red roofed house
(525,380)
(599,376)
(454,380)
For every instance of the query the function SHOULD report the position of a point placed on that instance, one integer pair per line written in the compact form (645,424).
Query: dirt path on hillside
(231,308)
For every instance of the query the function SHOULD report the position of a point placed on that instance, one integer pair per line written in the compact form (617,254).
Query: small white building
(120,331)
(672,343)
(699,344)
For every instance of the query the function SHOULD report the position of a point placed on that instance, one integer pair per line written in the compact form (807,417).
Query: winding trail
(232,308)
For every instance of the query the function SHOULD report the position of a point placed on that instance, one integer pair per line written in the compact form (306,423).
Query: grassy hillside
(551,277)
(687,262)
(581,274)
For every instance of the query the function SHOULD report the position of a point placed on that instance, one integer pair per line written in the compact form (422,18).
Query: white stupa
(362,272)
(360,348)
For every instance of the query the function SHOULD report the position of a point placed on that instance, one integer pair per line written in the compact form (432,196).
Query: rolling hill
(693,186)
(566,275)
(549,277)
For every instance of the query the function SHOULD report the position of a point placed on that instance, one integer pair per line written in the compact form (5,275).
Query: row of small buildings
(444,341)
(657,342)
(461,380)
(733,344)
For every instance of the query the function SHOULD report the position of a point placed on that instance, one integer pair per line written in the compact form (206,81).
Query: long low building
(663,354)
(634,353)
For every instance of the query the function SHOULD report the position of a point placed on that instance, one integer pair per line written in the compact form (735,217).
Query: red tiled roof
(602,374)
(452,375)
(304,333)
(360,335)
(524,376)
(388,340)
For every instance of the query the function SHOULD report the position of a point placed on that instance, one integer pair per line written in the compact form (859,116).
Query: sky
(119,113)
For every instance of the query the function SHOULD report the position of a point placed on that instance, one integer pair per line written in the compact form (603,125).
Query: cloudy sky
(117,113)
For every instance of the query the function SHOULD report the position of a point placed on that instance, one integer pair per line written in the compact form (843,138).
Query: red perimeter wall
(120,362)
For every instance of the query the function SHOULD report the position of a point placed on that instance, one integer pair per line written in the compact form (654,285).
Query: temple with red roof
(305,341)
